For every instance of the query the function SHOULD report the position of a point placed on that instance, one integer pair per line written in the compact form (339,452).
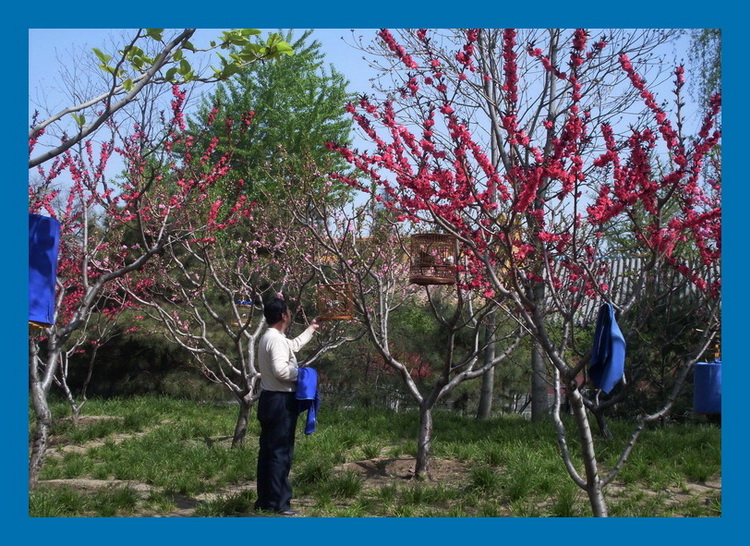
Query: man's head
(274,310)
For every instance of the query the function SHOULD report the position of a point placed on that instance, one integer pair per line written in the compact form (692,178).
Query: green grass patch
(502,467)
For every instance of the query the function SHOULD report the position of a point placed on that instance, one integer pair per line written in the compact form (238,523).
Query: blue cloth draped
(607,366)
(308,396)
(707,387)
(44,242)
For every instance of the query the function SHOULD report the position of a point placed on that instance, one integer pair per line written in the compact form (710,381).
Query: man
(278,407)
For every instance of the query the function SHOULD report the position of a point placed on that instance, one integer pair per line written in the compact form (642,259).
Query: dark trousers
(277,413)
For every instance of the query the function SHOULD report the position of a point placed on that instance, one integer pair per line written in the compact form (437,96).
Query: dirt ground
(375,473)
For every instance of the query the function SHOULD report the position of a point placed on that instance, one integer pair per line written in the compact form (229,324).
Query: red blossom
(453,178)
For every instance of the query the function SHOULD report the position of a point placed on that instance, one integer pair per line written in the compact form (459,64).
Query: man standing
(278,407)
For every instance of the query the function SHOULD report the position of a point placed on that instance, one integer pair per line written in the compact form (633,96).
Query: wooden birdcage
(433,259)
(335,301)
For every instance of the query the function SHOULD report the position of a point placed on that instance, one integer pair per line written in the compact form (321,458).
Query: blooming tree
(208,292)
(471,76)
(365,249)
(108,233)
(532,200)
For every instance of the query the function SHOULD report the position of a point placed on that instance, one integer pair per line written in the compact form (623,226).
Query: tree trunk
(488,378)
(243,418)
(75,408)
(539,404)
(588,453)
(539,375)
(602,422)
(484,411)
(41,434)
(42,413)
(424,443)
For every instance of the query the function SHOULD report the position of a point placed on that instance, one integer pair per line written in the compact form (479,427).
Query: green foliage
(422,494)
(97,429)
(357,375)
(666,455)
(312,473)
(568,502)
(298,107)
(133,61)
(416,333)
(50,502)
(705,58)
(142,363)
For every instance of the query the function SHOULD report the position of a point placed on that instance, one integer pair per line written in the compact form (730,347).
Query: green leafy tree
(705,58)
(297,106)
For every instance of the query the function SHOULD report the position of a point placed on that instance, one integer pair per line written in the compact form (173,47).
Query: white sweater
(276,359)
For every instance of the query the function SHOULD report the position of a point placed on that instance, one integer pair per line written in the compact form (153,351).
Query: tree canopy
(297,106)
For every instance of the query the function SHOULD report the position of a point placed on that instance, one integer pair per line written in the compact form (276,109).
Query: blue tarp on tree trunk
(44,241)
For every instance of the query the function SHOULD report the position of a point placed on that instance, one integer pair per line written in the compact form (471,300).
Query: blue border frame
(45,14)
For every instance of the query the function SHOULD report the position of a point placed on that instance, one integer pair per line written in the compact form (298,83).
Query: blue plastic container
(707,387)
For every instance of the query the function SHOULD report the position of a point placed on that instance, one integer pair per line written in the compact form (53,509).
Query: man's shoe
(287,512)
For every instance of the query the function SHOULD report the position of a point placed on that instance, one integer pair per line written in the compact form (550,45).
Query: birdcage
(335,301)
(433,259)
(243,315)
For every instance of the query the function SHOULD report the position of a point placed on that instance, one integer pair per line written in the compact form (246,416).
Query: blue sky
(49,47)
(364,532)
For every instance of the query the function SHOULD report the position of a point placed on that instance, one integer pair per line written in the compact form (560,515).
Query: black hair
(274,310)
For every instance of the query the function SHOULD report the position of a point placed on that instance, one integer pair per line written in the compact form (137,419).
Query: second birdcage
(335,301)
(433,259)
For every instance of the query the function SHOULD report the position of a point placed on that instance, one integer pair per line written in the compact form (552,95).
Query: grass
(504,467)
(65,501)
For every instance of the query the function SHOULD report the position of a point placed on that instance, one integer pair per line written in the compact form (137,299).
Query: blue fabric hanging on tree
(44,241)
(607,366)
